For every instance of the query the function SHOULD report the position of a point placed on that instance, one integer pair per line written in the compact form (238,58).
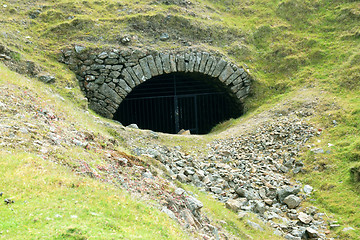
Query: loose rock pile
(247,174)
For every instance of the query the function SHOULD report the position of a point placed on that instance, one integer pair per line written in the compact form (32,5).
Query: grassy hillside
(288,45)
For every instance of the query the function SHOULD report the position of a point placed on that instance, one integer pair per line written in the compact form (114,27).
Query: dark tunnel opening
(171,102)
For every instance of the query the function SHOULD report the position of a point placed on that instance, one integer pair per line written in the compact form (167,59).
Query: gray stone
(348,229)
(91,86)
(312,233)
(238,81)
(88,62)
(304,218)
(234,76)
(122,93)
(128,78)
(113,54)
(254,225)
(226,73)
(213,66)
(209,64)
(259,207)
(180,63)
(103,55)
(285,191)
(152,65)
(197,61)
(193,204)
(292,201)
(139,73)
(180,191)
(169,213)
(203,62)
(308,189)
(145,67)
(147,174)
(173,63)
(111,61)
(110,93)
(188,217)
(219,68)
(117,67)
(100,109)
(291,237)
(114,74)
(97,66)
(133,125)
(165,58)
(133,76)
(99,96)
(250,194)
(235,204)
(159,65)
(164,37)
(317,150)
(243,214)
(124,86)
(99,61)
(192,59)
(47,78)
(216,190)
(241,93)
(111,109)
(79,49)
(182,178)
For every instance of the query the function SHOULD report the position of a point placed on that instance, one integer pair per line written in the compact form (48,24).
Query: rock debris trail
(247,173)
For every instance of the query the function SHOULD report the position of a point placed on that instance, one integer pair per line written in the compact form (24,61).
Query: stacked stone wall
(107,76)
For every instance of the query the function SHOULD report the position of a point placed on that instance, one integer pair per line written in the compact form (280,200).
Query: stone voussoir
(107,77)
(145,67)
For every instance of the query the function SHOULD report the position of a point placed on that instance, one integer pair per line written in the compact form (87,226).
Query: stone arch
(107,77)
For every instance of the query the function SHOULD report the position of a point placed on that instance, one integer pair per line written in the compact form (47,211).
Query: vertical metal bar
(176,108)
(196,115)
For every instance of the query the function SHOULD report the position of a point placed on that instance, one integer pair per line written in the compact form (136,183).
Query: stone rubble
(247,174)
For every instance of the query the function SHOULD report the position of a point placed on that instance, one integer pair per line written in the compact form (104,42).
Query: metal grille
(169,103)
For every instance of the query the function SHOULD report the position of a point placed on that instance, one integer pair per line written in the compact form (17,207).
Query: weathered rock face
(107,77)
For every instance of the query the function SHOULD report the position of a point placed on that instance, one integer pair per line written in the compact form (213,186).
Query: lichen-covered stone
(180,63)
(145,67)
(165,58)
(133,75)
(139,73)
(203,62)
(219,68)
(197,62)
(128,78)
(226,73)
(173,63)
(234,76)
(209,64)
(110,93)
(159,65)
(191,65)
(152,65)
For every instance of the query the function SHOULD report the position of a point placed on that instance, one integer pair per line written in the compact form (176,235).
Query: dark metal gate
(171,104)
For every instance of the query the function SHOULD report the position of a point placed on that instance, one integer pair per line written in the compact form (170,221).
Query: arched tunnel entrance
(175,101)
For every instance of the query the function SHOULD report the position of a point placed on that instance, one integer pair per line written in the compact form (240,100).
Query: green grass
(288,45)
(42,191)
